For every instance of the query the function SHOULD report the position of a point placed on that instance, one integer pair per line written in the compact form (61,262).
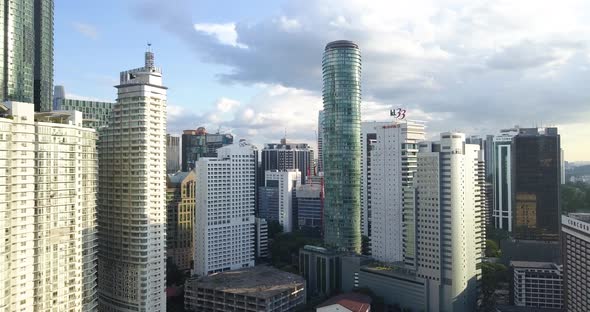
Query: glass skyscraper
(26,48)
(341,68)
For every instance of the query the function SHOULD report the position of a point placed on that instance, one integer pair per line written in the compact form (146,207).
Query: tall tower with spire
(132,195)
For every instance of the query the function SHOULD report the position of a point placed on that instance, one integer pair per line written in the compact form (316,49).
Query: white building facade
(447,246)
(225,221)
(502,175)
(286,182)
(132,195)
(48,176)
(388,165)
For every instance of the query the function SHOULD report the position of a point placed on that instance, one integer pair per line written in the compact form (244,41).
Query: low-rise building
(257,289)
(537,284)
(349,302)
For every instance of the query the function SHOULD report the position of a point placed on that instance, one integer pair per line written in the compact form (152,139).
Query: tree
(274,228)
(492,249)
(492,275)
(366,245)
(575,197)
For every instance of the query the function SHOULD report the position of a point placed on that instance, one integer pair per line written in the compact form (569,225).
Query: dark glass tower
(285,156)
(198,143)
(537,179)
(26,48)
(341,68)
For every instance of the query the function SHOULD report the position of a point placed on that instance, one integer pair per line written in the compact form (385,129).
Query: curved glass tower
(341,68)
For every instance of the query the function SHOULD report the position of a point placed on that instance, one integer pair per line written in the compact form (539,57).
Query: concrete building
(224,225)
(502,179)
(258,289)
(96,114)
(48,177)
(132,195)
(198,143)
(287,156)
(447,246)
(26,74)
(349,302)
(172,153)
(537,182)
(575,242)
(341,71)
(180,218)
(537,284)
(320,167)
(278,200)
(261,238)
(309,206)
(320,267)
(388,167)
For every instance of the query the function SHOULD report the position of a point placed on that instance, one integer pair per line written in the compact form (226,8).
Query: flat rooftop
(259,281)
(533,265)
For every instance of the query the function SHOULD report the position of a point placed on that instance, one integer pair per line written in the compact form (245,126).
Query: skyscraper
(389,164)
(172,153)
(320,162)
(341,69)
(26,48)
(96,114)
(225,221)
(447,246)
(287,156)
(575,245)
(132,195)
(198,143)
(282,186)
(48,176)
(180,218)
(502,179)
(537,180)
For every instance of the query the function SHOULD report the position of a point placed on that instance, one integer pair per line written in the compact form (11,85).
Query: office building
(180,218)
(341,71)
(447,247)
(537,284)
(258,289)
(26,48)
(132,195)
(96,114)
(224,226)
(277,198)
(310,206)
(320,267)
(388,167)
(261,238)
(172,153)
(48,176)
(502,179)
(287,156)
(575,244)
(198,143)
(320,163)
(537,181)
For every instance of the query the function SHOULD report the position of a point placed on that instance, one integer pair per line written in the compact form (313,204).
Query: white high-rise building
(447,243)
(388,165)
(286,182)
(48,176)
(502,175)
(224,228)
(132,195)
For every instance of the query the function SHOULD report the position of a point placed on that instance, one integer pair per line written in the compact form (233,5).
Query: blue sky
(254,67)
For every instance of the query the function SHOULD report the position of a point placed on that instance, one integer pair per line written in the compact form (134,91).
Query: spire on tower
(149,57)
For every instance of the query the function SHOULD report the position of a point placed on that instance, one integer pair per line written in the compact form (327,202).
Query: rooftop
(259,281)
(354,302)
(533,265)
(341,44)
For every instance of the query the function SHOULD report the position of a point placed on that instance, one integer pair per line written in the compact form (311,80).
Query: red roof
(354,302)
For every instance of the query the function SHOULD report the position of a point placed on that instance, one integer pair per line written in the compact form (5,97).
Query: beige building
(48,177)
(180,199)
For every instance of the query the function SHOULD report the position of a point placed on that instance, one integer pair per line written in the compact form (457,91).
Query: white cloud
(86,30)
(225,33)
(225,105)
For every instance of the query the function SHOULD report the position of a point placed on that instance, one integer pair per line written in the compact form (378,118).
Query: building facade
(26,48)
(575,244)
(321,269)
(309,206)
(341,71)
(279,202)
(198,143)
(537,284)
(320,162)
(261,238)
(537,182)
(172,153)
(132,195)
(180,218)
(48,177)
(287,156)
(258,289)
(447,247)
(502,179)
(224,226)
(96,114)
(388,167)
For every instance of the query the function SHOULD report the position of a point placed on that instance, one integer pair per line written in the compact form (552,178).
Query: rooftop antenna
(149,56)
